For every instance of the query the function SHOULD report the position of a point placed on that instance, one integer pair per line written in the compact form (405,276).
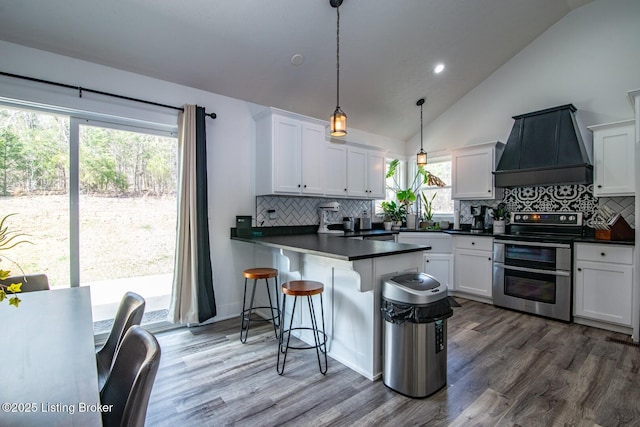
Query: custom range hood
(545,148)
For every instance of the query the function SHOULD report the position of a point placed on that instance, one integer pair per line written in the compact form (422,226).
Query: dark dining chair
(30,282)
(129,314)
(129,384)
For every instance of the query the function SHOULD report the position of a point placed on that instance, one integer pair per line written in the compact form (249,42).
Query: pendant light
(422,155)
(338,118)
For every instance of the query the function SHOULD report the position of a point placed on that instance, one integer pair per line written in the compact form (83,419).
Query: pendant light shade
(338,118)
(422,155)
(338,123)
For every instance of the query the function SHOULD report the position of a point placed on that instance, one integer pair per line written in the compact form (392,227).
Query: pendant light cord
(421,127)
(338,56)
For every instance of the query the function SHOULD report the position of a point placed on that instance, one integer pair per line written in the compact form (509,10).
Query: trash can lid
(413,288)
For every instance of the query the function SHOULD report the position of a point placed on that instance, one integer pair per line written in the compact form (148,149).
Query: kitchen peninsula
(352,272)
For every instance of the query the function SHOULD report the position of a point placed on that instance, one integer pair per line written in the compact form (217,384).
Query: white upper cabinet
(614,158)
(335,177)
(472,171)
(290,154)
(365,173)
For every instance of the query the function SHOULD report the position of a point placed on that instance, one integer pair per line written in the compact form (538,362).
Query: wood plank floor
(504,369)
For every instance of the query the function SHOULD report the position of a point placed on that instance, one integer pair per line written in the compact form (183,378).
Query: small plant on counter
(393,212)
(428,206)
(499,212)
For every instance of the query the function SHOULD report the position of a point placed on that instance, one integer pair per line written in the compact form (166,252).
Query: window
(438,166)
(442,203)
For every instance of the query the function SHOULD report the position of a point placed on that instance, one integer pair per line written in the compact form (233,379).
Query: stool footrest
(321,344)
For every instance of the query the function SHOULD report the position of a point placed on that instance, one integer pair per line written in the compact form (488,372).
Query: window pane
(127,217)
(34,178)
(442,204)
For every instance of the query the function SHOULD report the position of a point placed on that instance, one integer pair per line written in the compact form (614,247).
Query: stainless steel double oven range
(532,269)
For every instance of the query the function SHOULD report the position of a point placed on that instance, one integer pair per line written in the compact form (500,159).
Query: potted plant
(499,215)
(427,215)
(8,240)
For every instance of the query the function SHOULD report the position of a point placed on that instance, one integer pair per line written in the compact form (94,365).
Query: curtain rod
(81,89)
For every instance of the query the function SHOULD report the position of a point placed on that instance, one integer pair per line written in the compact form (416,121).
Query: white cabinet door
(357,172)
(313,152)
(440,266)
(335,175)
(473,272)
(614,159)
(472,172)
(603,291)
(376,182)
(287,151)
(365,173)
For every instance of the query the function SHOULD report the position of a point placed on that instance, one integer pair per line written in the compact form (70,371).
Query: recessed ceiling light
(297,59)
(438,68)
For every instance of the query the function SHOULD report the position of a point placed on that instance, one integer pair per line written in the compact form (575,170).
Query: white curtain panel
(184,297)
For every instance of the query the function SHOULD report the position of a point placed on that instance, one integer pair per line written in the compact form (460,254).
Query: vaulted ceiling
(244,48)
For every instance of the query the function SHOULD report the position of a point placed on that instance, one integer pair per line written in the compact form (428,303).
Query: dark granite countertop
(332,246)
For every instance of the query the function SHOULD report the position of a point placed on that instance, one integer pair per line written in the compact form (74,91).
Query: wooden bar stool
(302,288)
(245,318)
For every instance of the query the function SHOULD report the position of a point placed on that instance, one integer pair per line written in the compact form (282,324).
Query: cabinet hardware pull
(602,254)
(473,243)
(305,186)
(579,269)
(489,259)
(298,185)
(599,186)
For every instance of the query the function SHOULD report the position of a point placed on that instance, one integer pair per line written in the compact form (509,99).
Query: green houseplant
(393,213)
(427,205)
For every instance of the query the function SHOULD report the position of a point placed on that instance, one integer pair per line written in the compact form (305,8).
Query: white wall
(589,58)
(230,138)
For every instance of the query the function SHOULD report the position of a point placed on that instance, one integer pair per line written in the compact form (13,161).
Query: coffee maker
(477,223)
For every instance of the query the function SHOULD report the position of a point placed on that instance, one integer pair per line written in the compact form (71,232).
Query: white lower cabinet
(440,266)
(473,265)
(604,283)
(438,262)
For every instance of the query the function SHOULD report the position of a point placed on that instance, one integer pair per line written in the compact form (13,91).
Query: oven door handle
(539,244)
(533,270)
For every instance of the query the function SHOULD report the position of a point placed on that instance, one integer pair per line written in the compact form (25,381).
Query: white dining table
(48,374)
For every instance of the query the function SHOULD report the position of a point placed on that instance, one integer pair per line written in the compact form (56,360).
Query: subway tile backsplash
(291,211)
(304,210)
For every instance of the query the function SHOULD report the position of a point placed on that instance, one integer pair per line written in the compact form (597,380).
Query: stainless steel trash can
(415,309)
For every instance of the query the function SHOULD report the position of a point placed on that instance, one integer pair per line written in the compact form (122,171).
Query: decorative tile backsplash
(558,198)
(304,210)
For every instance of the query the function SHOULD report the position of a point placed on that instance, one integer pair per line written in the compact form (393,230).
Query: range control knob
(517,217)
(563,217)
(572,218)
(525,217)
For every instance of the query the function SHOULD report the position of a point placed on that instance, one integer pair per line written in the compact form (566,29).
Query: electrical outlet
(272,214)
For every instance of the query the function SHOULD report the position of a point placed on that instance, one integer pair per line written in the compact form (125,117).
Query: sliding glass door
(98,201)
